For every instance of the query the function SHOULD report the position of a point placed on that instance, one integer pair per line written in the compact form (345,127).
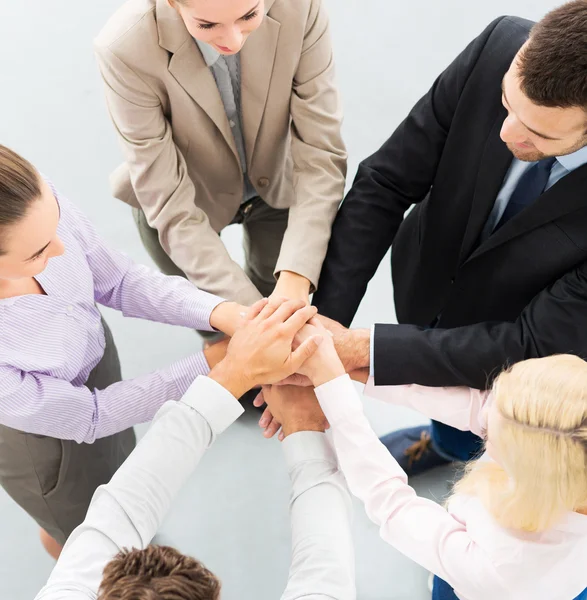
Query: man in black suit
(490,266)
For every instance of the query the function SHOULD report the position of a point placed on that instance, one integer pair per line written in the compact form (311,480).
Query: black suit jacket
(520,294)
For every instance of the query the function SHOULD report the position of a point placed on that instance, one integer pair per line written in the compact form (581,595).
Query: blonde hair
(540,441)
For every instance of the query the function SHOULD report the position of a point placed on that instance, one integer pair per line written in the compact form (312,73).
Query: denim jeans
(454,444)
(443,591)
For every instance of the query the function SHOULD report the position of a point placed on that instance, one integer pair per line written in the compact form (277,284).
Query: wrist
(328,374)
(295,426)
(230,379)
(354,348)
(329,365)
(293,286)
(227,316)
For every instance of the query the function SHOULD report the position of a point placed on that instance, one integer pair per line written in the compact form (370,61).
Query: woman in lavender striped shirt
(65,415)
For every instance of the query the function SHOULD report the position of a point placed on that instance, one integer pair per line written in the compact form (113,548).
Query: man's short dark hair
(157,573)
(553,65)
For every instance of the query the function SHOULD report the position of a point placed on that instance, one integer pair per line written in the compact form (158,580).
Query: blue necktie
(531,185)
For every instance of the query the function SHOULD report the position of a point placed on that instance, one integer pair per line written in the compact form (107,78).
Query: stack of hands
(282,346)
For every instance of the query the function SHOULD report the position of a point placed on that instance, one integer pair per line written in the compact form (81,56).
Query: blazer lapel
(257,61)
(494,165)
(189,69)
(565,196)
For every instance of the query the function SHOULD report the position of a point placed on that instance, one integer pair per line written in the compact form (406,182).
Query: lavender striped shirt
(50,343)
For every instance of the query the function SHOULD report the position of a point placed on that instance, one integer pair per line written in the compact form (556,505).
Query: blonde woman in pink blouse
(515,527)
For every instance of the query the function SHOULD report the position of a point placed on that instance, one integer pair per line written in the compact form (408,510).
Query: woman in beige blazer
(227,111)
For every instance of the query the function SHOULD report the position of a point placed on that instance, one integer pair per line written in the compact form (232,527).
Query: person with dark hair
(108,557)
(66,416)
(490,266)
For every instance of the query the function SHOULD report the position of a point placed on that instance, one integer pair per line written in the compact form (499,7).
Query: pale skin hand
(227,317)
(322,367)
(260,351)
(353,345)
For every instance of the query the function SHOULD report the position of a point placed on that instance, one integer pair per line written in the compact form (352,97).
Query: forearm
(375,477)
(53,407)
(146,294)
(321,511)
(361,235)
(293,286)
(305,241)
(354,348)
(468,356)
(318,152)
(128,511)
(459,407)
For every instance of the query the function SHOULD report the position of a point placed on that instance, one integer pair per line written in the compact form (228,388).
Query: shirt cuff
(217,405)
(304,446)
(187,369)
(339,400)
(198,308)
(372,352)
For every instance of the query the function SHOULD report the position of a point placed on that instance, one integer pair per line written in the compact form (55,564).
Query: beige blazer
(181,163)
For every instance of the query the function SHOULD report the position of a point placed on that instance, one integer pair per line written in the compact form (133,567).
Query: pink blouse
(463,545)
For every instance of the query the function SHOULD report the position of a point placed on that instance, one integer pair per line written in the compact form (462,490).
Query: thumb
(303,353)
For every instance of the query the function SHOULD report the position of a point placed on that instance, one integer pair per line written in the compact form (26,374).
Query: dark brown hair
(157,573)
(20,186)
(553,65)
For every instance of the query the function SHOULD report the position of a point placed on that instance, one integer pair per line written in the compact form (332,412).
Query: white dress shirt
(463,544)
(127,512)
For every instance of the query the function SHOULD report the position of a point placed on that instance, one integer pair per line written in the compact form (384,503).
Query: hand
(335,328)
(352,345)
(260,351)
(267,422)
(295,379)
(325,364)
(293,286)
(360,375)
(228,316)
(297,409)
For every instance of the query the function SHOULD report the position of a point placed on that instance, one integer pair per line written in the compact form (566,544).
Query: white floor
(233,514)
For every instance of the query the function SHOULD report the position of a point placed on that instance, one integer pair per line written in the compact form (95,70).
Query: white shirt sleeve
(322,565)
(127,512)
(419,528)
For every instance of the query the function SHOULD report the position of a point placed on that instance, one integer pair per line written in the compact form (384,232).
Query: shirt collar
(575,160)
(211,56)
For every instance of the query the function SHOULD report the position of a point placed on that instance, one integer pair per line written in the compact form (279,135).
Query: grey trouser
(54,480)
(264,228)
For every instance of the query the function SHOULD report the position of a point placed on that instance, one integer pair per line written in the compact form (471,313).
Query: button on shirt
(50,343)
(227,74)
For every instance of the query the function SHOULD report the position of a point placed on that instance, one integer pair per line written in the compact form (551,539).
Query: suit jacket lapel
(257,61)
(565,196)
(190,70)
(495,162)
